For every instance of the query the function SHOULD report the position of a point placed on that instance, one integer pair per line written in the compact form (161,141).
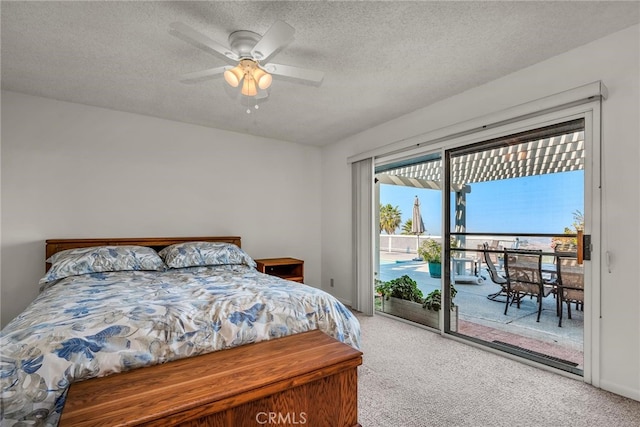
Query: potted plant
(431,252)
(403,287)
(433,301)
(401,297)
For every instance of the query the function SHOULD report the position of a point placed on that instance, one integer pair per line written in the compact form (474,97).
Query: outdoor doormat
(535,353)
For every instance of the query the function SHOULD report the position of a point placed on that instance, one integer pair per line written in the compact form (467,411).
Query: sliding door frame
(590,111)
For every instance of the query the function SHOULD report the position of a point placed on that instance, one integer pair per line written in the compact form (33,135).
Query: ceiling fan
(248,56)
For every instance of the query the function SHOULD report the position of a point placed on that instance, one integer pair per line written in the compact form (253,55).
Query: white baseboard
(621,390)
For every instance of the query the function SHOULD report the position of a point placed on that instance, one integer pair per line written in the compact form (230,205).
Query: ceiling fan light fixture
(234,76)
(246,50)
(249,86)
(263,78)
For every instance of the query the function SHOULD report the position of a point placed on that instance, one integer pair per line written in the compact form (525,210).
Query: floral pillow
(97,259)
(193,254)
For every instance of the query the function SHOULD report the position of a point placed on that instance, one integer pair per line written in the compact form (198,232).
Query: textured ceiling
(381,59)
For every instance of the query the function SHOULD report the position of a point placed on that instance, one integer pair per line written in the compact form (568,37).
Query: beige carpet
(413,377)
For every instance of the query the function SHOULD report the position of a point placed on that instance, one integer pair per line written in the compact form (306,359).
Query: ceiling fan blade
(199,76)
(195,38)
(278,36)
(313,77)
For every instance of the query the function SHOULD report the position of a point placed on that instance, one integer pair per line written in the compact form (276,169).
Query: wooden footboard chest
(303,379)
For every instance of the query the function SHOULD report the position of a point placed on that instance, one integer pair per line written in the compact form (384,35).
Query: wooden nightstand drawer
(286,268)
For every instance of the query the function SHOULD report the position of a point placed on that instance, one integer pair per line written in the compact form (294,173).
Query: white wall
(70,170)
(614,60)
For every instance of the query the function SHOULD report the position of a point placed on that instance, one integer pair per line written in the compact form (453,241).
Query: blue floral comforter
(102,323)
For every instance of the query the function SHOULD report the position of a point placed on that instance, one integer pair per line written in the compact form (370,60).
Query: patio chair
(570,282)
(524,277)
(567,248)
(493,274)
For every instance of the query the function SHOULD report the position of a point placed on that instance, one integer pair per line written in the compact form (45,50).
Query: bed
(109,306)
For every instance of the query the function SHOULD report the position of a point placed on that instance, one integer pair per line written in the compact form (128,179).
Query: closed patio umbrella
(417,226)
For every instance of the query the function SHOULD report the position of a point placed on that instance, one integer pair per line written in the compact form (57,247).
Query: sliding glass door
(410,228)
(517,197)
(505,197)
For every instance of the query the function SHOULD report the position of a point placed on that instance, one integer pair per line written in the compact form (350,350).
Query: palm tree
(406,227)
(390,218)
(578,220)
(578,224)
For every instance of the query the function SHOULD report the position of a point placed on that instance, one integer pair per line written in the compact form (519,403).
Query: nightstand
(286,268)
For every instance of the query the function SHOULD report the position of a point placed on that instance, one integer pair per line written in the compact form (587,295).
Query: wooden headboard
(157,243)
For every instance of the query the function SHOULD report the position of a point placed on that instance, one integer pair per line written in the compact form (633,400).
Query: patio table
(459,270)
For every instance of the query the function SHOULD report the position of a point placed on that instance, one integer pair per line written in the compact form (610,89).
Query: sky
(534,204)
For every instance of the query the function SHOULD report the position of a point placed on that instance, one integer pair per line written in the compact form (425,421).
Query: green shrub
(430,251)
(403,287)
(406,288)
(433,301)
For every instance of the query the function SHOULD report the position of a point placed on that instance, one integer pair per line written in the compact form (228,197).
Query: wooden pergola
(513,158)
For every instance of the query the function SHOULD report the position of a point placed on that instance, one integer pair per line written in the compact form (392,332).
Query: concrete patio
(482,318)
